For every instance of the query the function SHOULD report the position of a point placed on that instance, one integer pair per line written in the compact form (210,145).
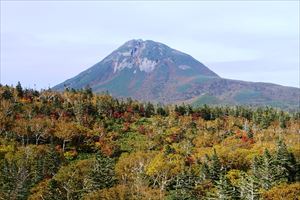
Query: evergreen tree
(248,131)
(215,169)
(14,179)
(267,171)
(211,169)
(149,109)
(52,190)
(285,162)
(249,187)
(53,160)
(7,94)
(161,111)
(182,187)
(204,171)
(256,165)
(8,177)
(88,91)
(225,190)
(103,174)
(20,92)
(282,120)
(205,112)
(38,170)
(189,110)
(181,110)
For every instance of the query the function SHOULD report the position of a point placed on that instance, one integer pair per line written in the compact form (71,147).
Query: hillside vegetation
(78,145)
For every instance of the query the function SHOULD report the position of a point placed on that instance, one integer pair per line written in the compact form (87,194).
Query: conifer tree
(225,190)
(249,187)
(53,160)
(267,170)
(38,170)
(102,175)
(211,169)
(285,162)
(215,167)
(7,94)
(161,111)
(19,89)
(149,109)
(282,120)
(7,178)
(204,171)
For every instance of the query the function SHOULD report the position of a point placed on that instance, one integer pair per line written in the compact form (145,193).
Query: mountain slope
(152,71)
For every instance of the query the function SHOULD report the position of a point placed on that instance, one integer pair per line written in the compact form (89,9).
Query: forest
(80,145)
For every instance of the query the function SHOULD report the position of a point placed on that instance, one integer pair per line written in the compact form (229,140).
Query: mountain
(152,71)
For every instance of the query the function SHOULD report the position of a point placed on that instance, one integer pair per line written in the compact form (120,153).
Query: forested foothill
(79,145)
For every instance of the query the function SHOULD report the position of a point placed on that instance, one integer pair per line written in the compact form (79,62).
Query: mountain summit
(152,71)
(147,56)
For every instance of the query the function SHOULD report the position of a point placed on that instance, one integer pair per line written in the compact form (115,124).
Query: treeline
(79,145)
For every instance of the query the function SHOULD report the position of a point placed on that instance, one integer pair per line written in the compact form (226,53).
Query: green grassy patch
(205,99)
(247,96)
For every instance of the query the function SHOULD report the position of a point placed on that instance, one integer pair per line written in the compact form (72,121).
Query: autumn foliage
(79,145)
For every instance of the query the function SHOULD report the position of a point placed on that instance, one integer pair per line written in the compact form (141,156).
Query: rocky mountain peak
(135,54)
(134,42)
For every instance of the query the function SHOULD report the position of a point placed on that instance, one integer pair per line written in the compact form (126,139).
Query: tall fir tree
(285,162)
(102,174)
(19,89)
(215,167)
(225,190)
(249,187)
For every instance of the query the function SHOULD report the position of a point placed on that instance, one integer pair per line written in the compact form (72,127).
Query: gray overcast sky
(46,42)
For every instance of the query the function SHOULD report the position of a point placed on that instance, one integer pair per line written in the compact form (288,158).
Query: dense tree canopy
(79,145)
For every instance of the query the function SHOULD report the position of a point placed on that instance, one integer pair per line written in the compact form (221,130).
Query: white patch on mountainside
(138,49)
(184,67)
(144,64)
(147,65)
(118,66)
(126,53)
(133,58)
(160,50)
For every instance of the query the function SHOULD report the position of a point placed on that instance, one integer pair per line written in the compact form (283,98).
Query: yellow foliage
(234,176)
(205,140)
(125,192)
(283,191)
(6,148)
(200,153)
(70,155)
(260,147)
(230,155)
(236,159)
(39,191)
(130,166)
(165,165)
(184,148)
(296,151)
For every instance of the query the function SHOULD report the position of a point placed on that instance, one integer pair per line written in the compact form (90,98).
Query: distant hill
(152,71)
